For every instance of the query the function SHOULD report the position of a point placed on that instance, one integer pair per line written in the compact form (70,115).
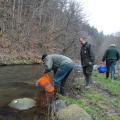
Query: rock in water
(22,104)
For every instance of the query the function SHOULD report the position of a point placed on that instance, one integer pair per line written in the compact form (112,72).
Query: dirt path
(113,110)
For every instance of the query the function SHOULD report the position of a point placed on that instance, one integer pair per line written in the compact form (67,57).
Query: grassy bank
(16,60)
(101,101)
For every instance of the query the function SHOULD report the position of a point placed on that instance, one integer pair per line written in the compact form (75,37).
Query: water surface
(18,82)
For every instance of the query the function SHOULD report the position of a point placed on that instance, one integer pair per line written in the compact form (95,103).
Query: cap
(43,56)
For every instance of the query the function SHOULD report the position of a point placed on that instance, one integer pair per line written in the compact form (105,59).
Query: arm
(48,64)
(92,54)
(104,56)
(80,56)
(118,56)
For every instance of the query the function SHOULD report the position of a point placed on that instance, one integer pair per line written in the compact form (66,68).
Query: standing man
(61,65)
(87,60)
(111,56)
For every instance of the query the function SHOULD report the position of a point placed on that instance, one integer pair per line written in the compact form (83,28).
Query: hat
(112,45)
(43,56)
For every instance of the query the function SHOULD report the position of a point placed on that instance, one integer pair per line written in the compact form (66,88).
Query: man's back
(54,61)
(111,53)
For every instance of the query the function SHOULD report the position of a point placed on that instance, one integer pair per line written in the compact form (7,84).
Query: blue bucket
(102,69)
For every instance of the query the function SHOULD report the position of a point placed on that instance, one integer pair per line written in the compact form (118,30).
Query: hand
(103,63)
(90,63)
(37,86)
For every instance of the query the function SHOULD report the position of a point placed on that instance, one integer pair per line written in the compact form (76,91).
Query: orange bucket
(45,83)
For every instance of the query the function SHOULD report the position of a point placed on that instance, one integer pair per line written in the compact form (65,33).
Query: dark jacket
(111,53)
(87,55)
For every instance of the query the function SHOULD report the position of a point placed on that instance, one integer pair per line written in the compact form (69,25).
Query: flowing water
(19,82)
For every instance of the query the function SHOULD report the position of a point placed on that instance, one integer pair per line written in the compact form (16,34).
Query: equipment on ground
(102,69)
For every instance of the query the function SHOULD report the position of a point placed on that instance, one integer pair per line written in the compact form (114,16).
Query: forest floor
(101,101)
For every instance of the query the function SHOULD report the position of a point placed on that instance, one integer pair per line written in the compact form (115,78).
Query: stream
(16,82)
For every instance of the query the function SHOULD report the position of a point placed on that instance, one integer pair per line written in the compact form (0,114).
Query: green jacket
(111,53)
(87,55)
(54,61)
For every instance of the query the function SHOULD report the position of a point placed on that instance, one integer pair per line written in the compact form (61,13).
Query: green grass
(111,85)
(98,102)
(81,103)
(114,118)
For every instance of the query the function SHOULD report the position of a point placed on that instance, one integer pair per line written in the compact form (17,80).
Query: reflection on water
(18,82)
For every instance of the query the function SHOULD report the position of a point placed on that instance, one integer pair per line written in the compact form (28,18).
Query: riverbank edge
(25,61)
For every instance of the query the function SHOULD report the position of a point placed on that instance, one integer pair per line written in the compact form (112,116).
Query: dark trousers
(61,76)
(87,71)
(110,64)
